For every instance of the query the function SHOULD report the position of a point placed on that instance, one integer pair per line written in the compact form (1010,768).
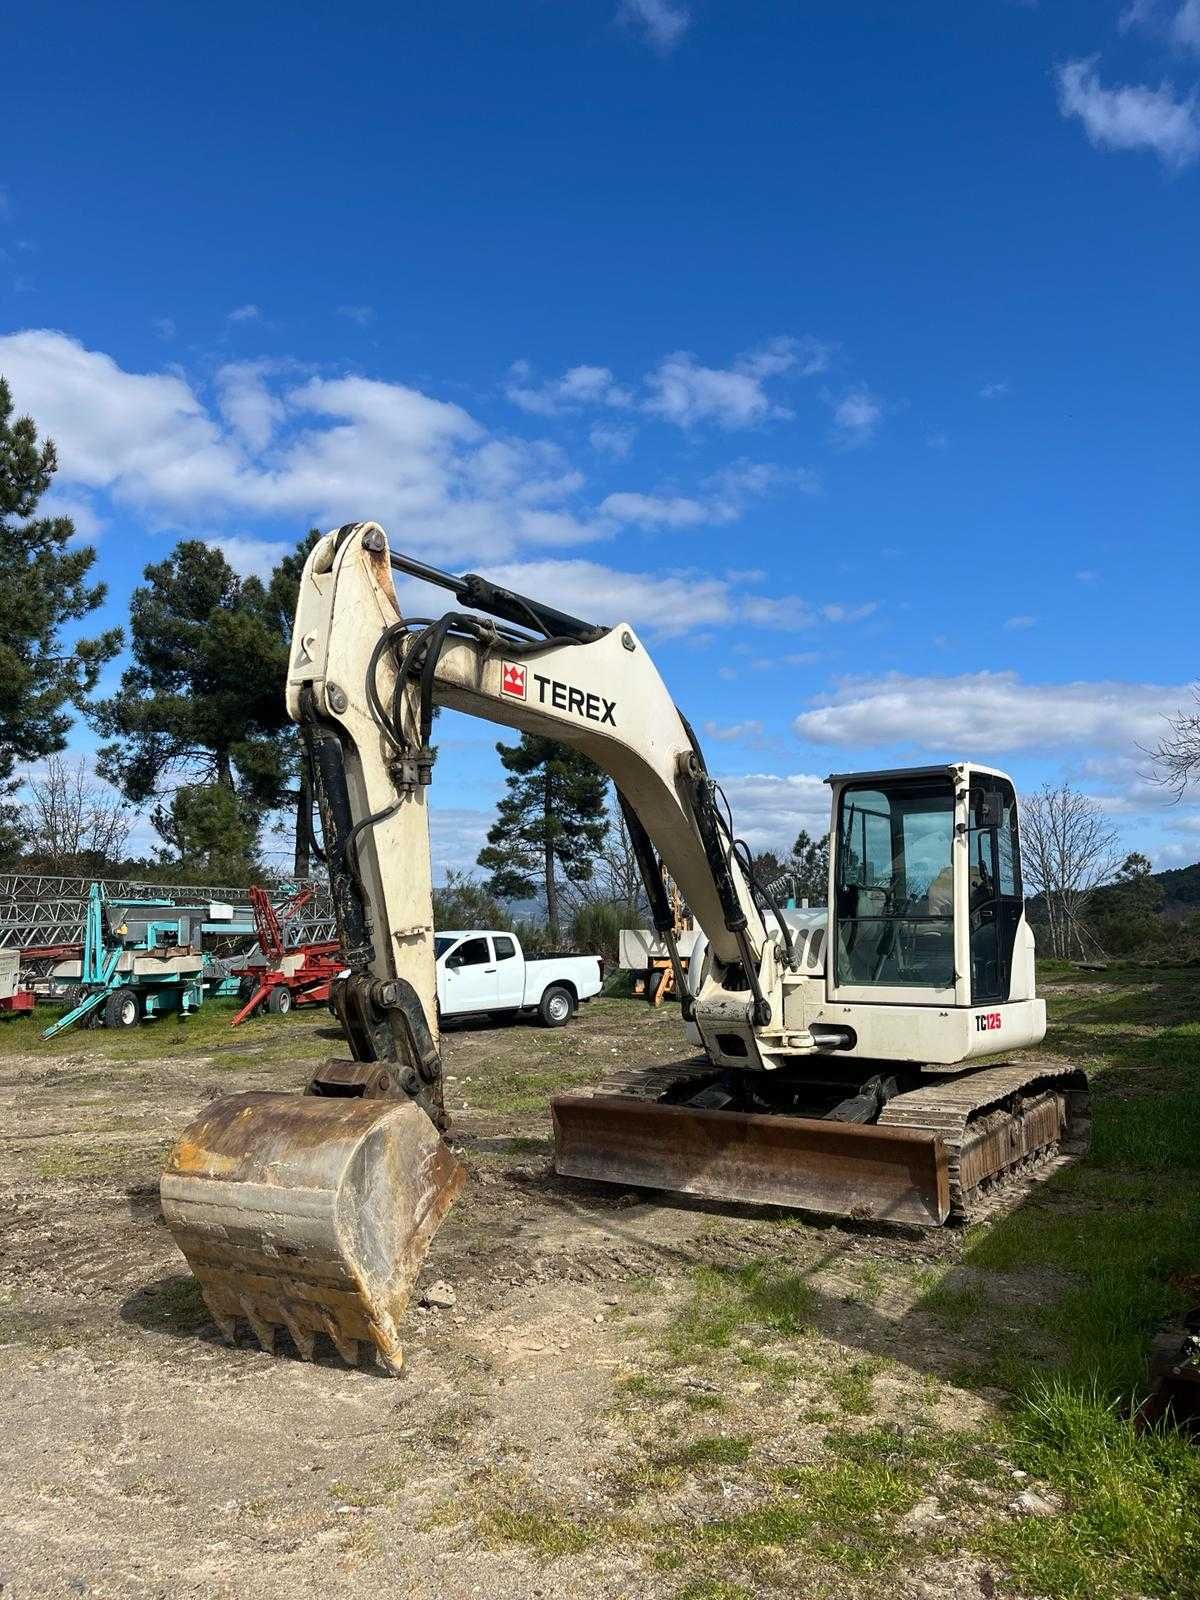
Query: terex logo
(985,1021)
(565,697)
(512,680)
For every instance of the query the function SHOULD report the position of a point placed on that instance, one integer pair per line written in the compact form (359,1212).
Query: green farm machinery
(140,958)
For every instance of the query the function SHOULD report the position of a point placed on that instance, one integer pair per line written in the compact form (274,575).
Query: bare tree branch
(70,819)
(1069,849)
(1176,756)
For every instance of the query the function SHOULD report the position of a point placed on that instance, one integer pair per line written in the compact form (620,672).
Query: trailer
(13,998)
(140,958)
(297,976)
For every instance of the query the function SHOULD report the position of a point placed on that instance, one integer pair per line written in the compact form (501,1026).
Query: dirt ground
(624,1390)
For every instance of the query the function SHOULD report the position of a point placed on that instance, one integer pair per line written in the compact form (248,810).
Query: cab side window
(470,953)
(505,948)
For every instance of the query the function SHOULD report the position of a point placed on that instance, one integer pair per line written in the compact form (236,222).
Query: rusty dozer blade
(309,1213)
(835,1168)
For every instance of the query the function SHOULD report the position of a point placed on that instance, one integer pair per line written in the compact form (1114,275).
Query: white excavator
(849,1058)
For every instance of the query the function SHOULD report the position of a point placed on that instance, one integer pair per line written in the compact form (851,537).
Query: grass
(1120,1234)
(760,1297)
(257,1042)
(852,1389)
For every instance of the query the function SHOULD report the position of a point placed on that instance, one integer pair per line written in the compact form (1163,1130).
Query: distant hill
(1181,890)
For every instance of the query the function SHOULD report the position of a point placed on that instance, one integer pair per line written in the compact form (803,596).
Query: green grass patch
(547,1534)
(758,1297)
(1131,1518)
(955,1306)
(853,1388)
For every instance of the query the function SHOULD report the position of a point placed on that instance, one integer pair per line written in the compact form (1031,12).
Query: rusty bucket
(309,1213)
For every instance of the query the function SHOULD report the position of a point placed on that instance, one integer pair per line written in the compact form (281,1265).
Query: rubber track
(953,1107)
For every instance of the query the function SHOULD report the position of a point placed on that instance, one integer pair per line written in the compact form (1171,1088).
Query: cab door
(471,980)
(510,972)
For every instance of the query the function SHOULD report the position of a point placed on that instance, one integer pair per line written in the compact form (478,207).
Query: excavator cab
(926,899)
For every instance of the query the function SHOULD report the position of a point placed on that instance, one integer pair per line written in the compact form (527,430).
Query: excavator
(852,1059)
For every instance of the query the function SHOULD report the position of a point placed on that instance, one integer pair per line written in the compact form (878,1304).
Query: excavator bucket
(835,1168)
(310,1213)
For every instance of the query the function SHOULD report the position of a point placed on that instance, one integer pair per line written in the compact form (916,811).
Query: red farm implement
(295,976)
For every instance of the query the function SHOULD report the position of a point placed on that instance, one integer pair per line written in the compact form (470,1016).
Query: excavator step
(805,1163)
(310,1214)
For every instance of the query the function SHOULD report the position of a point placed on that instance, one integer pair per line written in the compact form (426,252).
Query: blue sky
(847,350)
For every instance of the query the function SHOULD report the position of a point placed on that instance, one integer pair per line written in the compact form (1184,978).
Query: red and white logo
(512,680)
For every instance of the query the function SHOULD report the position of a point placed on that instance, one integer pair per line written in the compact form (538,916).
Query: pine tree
(809,867)
(43,585)
(551,820)
(203,703)
(283,591)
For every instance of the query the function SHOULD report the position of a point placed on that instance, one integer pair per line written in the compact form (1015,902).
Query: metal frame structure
(41,909)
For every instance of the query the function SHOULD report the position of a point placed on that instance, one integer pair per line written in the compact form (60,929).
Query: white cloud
(88,525)
(579,387)
(321,451)
(456,836)
(246,313)
(362,315)
(791,613)
(735,732)
(1178,23)
(662,22)
(657,511)
(986,712)
(1131,116)
(993,391)
(937,439)
(1087,575)
(5,205)
(1019,624)
(856,416)
(611,441)
(247,405)
(164,327)
(664,605)
(769,811)
(251,558)
(855,613)
(686,393)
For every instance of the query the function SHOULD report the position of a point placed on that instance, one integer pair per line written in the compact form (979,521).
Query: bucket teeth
(226,1324)
(347,1348)
(304,1339)
(264,1332)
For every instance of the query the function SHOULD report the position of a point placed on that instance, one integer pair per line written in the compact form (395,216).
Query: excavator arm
(363,684)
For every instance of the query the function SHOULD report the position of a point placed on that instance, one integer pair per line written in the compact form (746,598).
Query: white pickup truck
(484,971)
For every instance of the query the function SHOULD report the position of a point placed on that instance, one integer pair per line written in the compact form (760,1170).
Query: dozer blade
(310,1213)
(838,1169)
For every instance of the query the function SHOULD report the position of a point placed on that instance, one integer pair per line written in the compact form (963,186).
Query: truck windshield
(895,884)
(441,944)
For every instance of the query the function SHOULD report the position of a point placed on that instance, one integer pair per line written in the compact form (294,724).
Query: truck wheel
(557,1006)
(121,1010)
(279,1000)
(246,987)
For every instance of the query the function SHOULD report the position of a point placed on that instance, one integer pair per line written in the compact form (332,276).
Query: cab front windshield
(895,885)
